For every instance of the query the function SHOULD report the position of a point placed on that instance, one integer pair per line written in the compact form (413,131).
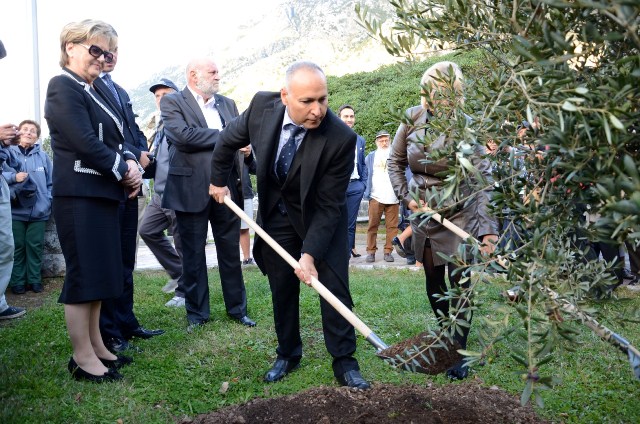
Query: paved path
(146,260)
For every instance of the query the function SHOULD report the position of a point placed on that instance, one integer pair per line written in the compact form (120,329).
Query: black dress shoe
(353,379)
(117,363)
(36,288)
(117,345)
(279,369)
(18,289)
(459,371)
(245,320)
(399,248)
(143,333)
(81,375)
(194,326)
(627,274)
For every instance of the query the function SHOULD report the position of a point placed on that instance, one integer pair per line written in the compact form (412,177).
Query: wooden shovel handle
(315,283)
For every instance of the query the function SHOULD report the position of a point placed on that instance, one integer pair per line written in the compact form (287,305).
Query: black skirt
(89,233)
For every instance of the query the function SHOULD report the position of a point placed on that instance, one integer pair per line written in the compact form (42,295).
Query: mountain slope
(323,31)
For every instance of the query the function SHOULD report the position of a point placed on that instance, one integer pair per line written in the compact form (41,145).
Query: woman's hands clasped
(132,179)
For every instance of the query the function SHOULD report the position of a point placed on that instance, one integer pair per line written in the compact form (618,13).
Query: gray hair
(297,66)
(79,32)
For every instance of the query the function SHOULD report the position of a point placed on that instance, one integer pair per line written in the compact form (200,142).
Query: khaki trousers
(376,209)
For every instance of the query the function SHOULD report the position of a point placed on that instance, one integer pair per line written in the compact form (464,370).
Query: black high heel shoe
(354,254)
(116,364)
(81,375)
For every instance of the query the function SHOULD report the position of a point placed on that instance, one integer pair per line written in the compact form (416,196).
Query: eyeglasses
(96,52)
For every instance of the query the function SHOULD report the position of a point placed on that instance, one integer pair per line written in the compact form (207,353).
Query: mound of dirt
(382,404)
(441,355)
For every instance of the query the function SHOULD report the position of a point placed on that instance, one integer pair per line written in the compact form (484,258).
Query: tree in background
(379,96)
(573,67)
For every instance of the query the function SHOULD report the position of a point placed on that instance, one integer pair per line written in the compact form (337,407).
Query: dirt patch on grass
(412,354)
(453,403)
(31,300)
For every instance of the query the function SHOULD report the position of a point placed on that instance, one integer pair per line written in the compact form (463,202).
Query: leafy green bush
(379,95)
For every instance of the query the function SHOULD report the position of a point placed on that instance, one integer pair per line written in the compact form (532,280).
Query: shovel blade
(425,353)
(402,364)
(634,360)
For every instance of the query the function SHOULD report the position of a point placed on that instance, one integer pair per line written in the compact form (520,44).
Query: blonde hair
(437,72)
(80,32)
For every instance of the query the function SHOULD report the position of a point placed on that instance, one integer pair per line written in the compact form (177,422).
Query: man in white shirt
(382,199)
(193,120)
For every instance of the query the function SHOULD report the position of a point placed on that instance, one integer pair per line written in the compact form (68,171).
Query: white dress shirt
(209,110)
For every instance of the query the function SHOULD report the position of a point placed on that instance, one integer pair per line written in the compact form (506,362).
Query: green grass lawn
(181,375)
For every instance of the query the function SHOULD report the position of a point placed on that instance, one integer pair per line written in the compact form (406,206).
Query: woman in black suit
(91,174)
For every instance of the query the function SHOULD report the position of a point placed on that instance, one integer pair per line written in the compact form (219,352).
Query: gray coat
(472,215)
(191,144)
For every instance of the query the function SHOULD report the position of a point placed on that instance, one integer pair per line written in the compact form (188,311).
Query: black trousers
(634,258)
(609,252)
(437,286)
(117,319)
(339,335)
(225,226)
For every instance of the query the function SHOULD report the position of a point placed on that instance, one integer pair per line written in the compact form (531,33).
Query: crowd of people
(311,174)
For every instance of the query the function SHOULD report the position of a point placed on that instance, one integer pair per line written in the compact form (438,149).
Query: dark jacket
(363,172)
(191,144)
(87,140)
(315,190)
(134,138)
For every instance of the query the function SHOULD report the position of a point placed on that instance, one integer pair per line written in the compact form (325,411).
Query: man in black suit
(301,205)
(118,322)
(193,121)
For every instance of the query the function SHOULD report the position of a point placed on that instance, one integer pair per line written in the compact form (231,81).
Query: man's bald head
(203,77)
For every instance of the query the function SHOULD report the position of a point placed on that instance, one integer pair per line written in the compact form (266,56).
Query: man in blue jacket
(358,181)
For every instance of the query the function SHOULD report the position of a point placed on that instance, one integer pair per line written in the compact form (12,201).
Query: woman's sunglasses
(96,52)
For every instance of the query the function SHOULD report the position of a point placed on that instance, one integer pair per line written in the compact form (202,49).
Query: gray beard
(206,89)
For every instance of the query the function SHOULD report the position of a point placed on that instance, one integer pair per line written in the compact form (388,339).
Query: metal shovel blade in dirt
(369,335)
(602,331)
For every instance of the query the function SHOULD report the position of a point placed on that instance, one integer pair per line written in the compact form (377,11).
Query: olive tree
(571,69)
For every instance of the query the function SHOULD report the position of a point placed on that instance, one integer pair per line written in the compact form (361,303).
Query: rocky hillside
(324,31)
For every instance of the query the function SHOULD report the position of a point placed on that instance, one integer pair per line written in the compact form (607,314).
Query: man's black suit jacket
(323,164)
(134,138)
(191,144)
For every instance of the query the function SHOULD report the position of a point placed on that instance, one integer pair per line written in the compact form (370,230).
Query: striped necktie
(107,80)
(288,152)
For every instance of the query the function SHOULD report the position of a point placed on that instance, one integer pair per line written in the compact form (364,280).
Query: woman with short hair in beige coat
(467,209)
